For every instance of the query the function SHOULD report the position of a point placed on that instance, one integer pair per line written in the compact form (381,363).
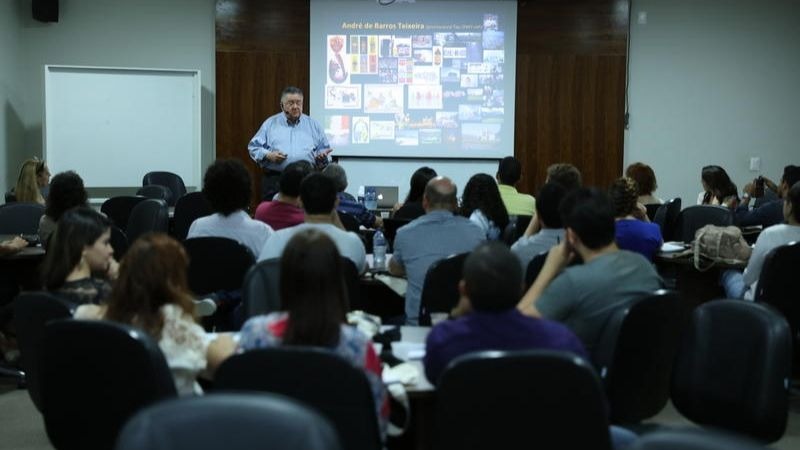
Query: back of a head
(418,182)
(292,176)
(590,214)
(717,179)
(77,228)
(66,191)
(791,175)
(644,177)
(623,195)
(26,189)
(547,203)
(227,186)
(318,194)
(566,175)
(509,171)
(793,198)
(441,193)
(312,289)
(482,193)
(492,278)
(336,173)
(152,273)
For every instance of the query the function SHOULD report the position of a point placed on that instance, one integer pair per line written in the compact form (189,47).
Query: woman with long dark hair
(718,189)
(412,207)
(313,307)
(482,204)
(80,261)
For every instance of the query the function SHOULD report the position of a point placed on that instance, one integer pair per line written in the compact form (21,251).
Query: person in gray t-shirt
(584,296)
(546,229)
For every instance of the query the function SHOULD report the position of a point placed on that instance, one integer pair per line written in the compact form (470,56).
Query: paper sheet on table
(396,284)
(408,351)
(669,247)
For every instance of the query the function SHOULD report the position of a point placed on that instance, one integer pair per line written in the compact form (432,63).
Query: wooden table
(696,287)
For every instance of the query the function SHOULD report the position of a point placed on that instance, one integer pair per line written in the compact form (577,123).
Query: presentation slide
(414,79)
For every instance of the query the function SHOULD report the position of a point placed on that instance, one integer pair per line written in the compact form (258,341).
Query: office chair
(20,218)
(147,216)
(440,288)
(118,209)
(169,180)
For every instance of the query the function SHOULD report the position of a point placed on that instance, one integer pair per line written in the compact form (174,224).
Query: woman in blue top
(634,232)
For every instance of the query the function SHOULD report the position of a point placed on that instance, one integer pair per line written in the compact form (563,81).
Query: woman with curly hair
(718,189)
(481,202)
(633,231)
(152,293)
(646,184)
(66,192)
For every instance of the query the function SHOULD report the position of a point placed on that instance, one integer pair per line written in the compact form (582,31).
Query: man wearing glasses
(287,137)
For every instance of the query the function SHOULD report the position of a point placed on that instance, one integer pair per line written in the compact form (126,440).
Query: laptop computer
(387,196)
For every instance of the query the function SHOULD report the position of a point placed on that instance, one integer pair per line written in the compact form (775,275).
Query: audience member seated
(313,308)
(80,261)
(285,211)
(227,187)
(634,231)
(584,296)
(646,184)
(412,207)
(481,203)
(318,197)
(547,231)
(34,177)
(771,212)
(490,289)
(152,294)
(564,174)
(66,192)
(743,285)
(346,203)
(718,189)
(436,235)
(13,245)
(509,172)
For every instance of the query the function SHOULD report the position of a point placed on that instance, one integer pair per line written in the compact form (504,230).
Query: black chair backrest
(230,421)
(32,311)
(10,197)
(119,242)
(635,353)
(118,209)
(520,400)
(20,218)
(776,283)
(695,217)
(188,208)
(217,264)
(96,375)
(171,181)
(155,191)
(350,223)
(261,290)
(318,378)
(733,369)
(534,267)
(351,282)
(390,227)
(693,439)
(652,209)
(149,215)
(516,228)
(440,288)
(666,217)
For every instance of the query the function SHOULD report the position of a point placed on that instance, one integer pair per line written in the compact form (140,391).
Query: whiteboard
(113,125)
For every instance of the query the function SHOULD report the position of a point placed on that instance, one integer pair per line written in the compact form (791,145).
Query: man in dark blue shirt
(348,205)
(769,213)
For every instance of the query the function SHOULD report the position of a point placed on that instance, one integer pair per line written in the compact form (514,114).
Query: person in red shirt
(284,210)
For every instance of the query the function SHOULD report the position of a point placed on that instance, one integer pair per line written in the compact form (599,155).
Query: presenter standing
(287,137)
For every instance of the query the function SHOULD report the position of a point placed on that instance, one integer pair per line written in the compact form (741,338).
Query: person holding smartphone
(286,137)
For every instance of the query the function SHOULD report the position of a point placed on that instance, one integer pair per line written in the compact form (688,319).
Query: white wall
(11,130)
(714,82)
(122,33)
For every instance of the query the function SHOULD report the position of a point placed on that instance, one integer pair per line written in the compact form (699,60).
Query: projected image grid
(416,88)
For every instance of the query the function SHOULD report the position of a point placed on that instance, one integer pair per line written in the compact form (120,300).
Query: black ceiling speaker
(45,10)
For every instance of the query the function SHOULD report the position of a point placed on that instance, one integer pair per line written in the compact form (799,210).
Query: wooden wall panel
(571,59)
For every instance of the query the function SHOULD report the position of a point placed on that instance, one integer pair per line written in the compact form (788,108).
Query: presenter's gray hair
(291,90)
(336,173)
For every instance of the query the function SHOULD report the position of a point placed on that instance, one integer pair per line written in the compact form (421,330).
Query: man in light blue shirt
(427,239)
(287,137)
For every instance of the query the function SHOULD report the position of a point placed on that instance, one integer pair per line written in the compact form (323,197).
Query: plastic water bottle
(361,195)
(378,251)
(371,199)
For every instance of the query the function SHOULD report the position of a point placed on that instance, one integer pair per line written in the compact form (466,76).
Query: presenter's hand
(276,156)
(323,154)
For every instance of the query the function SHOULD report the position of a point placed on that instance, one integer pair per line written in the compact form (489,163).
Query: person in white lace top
(152,293)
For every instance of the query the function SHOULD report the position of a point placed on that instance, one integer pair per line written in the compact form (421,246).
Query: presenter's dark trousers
(270,184)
